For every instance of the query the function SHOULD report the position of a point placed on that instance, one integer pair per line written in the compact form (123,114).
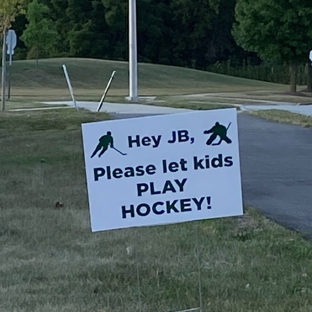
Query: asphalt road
(276,166)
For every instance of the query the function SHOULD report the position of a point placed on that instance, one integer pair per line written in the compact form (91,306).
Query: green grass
(86,73)
(24,104)
(284,116)
(89,78)
(178,102)
(51,262)
(170,84)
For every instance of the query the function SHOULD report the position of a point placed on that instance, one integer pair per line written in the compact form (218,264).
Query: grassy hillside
(89,78)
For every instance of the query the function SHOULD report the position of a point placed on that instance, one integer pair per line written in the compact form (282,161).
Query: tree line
(191,33)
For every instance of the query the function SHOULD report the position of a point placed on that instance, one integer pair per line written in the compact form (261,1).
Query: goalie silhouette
(220,131)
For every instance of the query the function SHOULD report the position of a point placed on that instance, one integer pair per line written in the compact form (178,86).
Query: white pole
(11,50)
(3,71)
(133,65)
(70,86)
(10,68)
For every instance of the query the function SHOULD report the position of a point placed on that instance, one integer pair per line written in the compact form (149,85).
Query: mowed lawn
(50,260)
(163,85)
(90,76)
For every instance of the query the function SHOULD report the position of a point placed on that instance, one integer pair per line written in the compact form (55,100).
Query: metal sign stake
(199,267)
(106,90)
(70,86)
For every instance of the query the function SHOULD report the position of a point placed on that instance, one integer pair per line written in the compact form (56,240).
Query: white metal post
(70,86)
(10,68)
(133,65)
(3,71)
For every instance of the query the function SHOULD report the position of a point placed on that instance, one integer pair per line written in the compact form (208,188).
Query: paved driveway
(276,162)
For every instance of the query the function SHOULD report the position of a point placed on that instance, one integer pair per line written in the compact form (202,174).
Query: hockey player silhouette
(104,142)
(218,130)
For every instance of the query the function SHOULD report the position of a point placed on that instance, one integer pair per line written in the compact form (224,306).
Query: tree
(88,35)
(40,32)
(9,9)
(116,17)
(193,30)
(280,30)
(154,33)
(63,24)
(82,28)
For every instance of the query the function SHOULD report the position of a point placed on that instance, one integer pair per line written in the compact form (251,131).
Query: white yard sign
(163,169)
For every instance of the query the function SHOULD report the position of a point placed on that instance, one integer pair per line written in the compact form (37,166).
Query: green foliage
(9,9)
(40,33)
(88,34)
(267,71)
(193,25)
(154,43)
(279,30)
(175,32)
(116,17)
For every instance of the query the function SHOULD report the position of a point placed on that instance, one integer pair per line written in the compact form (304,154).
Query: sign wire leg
(138,270)
(199,266)
(9,82)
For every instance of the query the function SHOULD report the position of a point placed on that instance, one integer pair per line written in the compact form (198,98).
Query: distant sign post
(11,41)
(309,85)
(164,169)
